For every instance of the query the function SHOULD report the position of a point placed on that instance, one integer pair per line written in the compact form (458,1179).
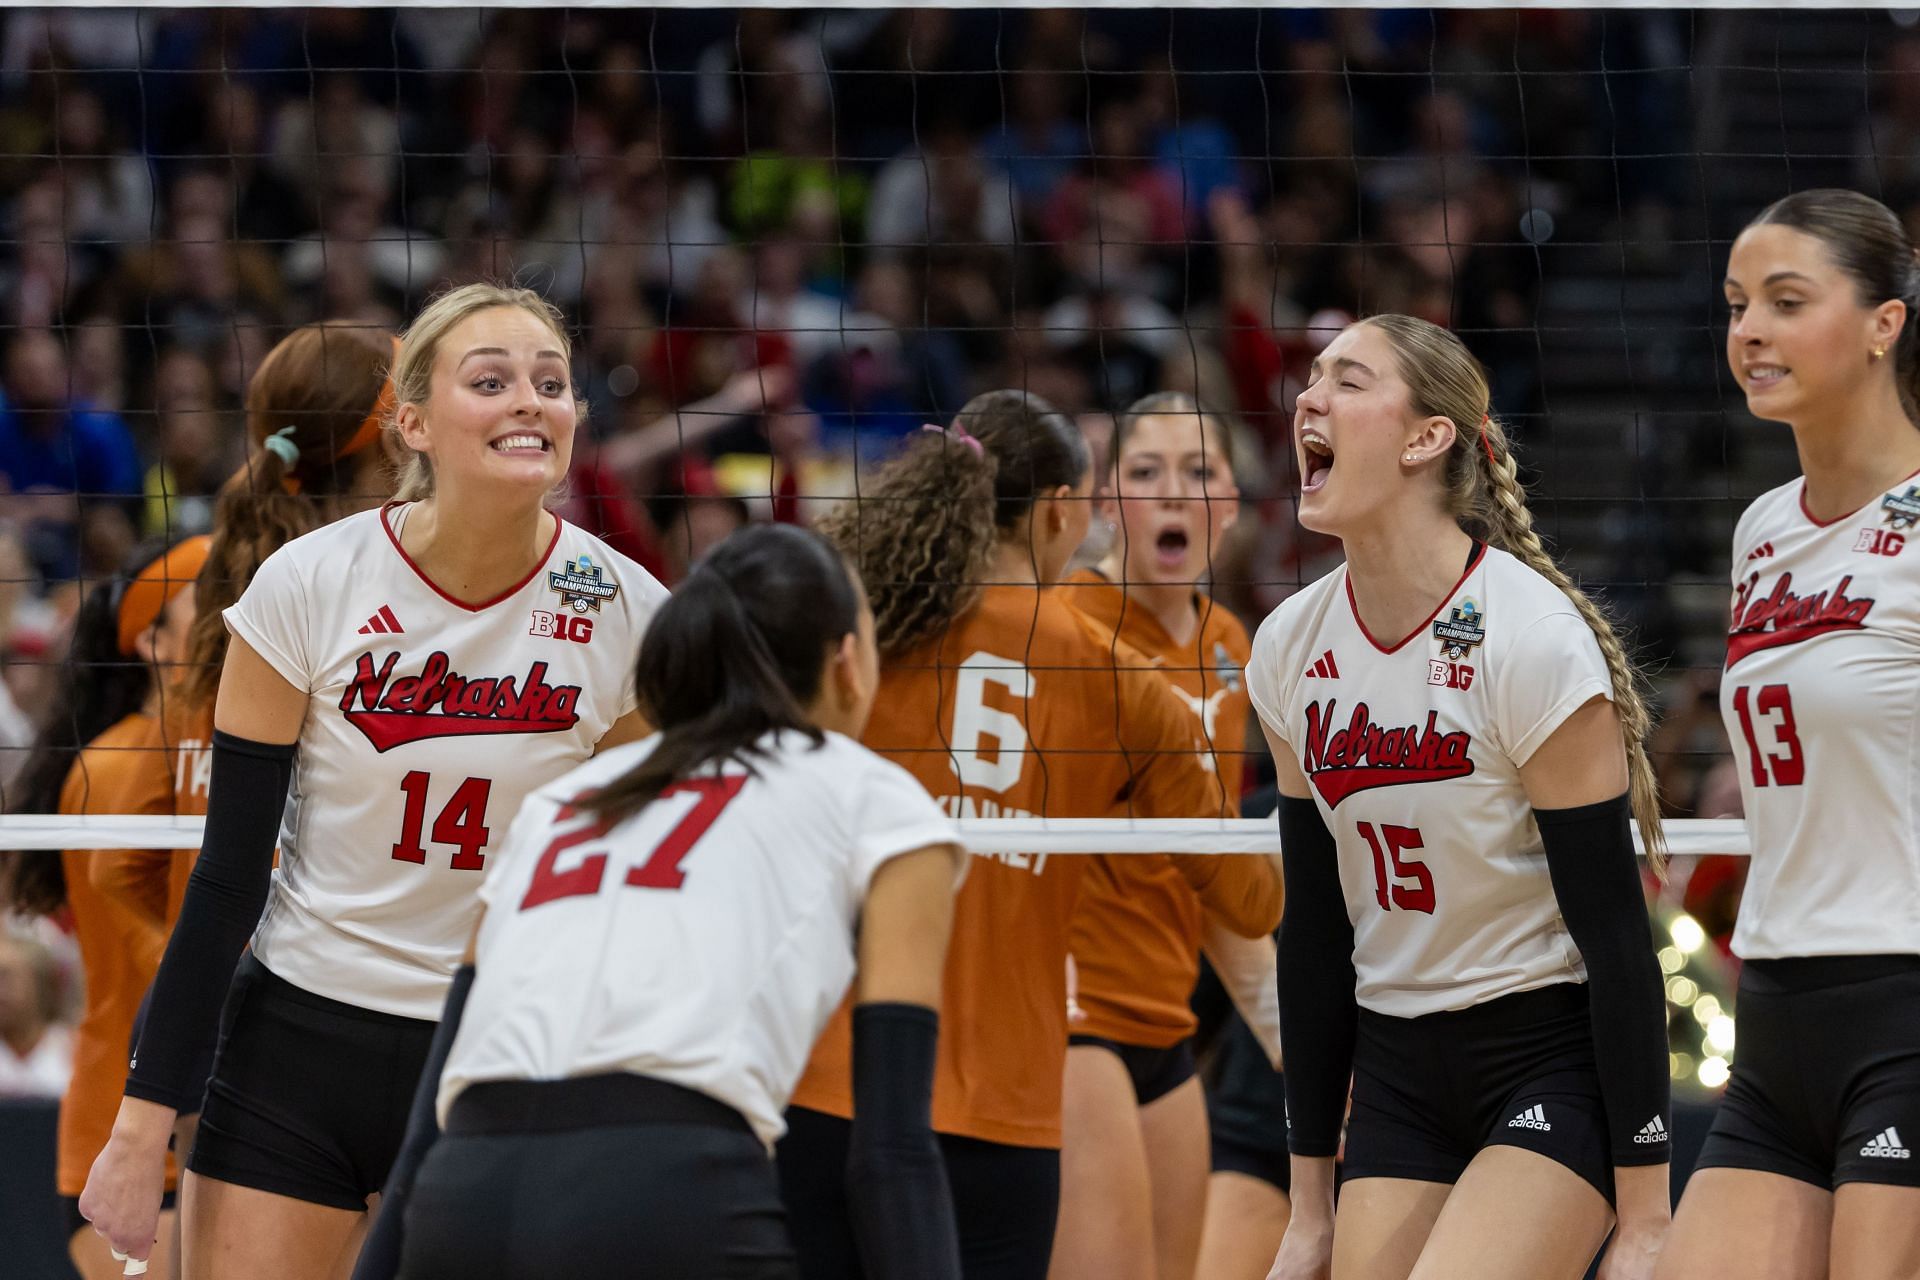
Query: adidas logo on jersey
(1325,669)
(383,623)
(1652,1131)
(1761,552)
(1534,1117)
(1886,1146)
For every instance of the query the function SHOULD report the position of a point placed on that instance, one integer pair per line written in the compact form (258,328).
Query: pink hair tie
(1486,441)
(957,432)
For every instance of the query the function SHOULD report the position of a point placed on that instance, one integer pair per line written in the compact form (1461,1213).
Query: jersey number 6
(1388,891)
(661,870)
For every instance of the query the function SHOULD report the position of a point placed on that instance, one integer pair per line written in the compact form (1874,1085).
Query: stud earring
(1879,353)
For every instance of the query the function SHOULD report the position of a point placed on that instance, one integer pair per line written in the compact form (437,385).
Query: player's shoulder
(1294,620)
(1521,610)
(1775,511)
(335,549)
(1221,627)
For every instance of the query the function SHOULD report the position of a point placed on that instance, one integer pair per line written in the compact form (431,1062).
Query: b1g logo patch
(558,626)
(1902,510)
(1461,631)
(1880,542)
(1449,675)
(582,586)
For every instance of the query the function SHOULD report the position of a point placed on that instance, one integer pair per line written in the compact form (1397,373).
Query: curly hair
(923,533)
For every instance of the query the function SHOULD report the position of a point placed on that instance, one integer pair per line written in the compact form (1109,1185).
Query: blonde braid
(1510,526)
(1483,491)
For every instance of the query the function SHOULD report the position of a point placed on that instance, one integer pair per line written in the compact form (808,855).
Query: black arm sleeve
(380,1254)
(896,1177)
(1317,1010)
(225,896)
(1597,881)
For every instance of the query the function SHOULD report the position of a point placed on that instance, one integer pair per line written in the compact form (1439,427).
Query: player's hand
(1306,1253)
(1633,1251)
(128,1179)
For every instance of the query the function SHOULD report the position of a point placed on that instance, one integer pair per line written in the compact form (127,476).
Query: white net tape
(984,835)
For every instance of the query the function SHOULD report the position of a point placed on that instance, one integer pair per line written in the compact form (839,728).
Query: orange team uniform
(1017,710)
(124,771)
(1136,937)
(153,882)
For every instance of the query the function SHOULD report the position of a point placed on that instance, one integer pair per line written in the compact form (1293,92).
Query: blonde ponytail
(1484,492)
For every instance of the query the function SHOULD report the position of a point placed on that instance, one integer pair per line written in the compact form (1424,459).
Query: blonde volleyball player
(1002,700)
(667,930)
(1458,739)
(128,638)
(1811,1168)
(1134,1185)
(425,666)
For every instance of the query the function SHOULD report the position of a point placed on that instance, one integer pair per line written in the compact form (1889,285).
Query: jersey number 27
(660,870)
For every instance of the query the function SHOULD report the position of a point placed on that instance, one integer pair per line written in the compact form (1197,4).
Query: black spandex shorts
(1005,1201)
(1430,1092)
(608,1175)
(309,1096)
(1246,1107)
(1826,1080)
(1155,1072)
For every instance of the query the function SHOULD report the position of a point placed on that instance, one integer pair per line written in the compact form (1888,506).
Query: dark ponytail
(1869,243)
(735,653)
(922,532)
(99,686)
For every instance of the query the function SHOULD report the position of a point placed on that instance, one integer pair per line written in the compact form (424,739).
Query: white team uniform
(1821,697)
(428,724)
(704,942)
(1414,756)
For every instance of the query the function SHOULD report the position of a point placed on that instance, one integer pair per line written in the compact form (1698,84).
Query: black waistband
(1810,973)
(1520,1008)
(584,1102)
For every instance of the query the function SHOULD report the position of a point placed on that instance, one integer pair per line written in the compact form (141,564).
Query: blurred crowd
(785,237)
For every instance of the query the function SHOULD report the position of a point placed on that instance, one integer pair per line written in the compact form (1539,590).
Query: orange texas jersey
(1017,710)
(1136,936)
(123,771)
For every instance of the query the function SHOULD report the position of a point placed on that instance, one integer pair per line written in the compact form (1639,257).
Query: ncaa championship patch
(1902,510)
(1461,631)
(583,585)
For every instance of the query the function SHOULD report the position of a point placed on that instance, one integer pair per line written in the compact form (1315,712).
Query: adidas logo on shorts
(1887,1146)
(1652,1131)
(1534,1117)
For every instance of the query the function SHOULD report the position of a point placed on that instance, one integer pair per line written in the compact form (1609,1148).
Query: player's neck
(1402,571)
(474,553)
(1170,603)
(1013,562)
(1849,462)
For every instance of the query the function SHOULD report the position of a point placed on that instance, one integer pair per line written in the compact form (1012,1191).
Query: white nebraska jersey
(705,941)
(1821,697)
(428,723)
(1414,756)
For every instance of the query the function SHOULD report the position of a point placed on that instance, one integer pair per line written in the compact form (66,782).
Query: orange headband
(156,585)
(365,434)
(370,426)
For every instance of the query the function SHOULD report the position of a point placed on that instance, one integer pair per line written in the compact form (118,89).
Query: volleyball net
(786,239)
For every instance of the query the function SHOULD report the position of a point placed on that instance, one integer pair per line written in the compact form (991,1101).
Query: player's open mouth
(522,442)
(1316,459)
(1764,377)
(1170,548)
